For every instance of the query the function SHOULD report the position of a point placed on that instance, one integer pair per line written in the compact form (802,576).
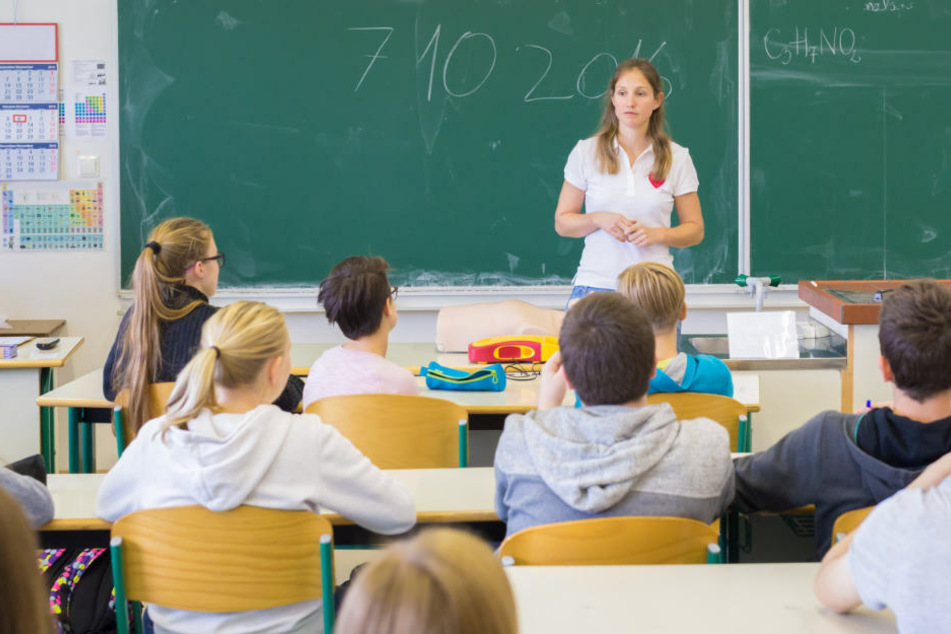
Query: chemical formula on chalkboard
(806,44)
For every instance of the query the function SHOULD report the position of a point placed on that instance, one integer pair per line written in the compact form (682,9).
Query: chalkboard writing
(850,147)
(431,133)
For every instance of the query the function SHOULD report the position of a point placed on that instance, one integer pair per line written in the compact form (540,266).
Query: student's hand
(934,474)
(551,394)
(617,225)
(641,235)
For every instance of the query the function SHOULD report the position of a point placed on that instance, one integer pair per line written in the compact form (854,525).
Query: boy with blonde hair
(659,292)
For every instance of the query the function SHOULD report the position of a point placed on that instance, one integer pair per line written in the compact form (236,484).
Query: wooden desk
(441,495)
(714,599)
(32,327)
(25,426)
(518,397)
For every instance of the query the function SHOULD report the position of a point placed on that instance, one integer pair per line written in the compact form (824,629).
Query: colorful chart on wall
(51,216)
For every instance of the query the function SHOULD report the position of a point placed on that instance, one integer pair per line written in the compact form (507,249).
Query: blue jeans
(578,292)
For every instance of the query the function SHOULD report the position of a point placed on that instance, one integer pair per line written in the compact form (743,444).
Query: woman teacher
(629,176)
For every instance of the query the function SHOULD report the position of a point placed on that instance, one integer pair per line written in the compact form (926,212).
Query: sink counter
(826,353)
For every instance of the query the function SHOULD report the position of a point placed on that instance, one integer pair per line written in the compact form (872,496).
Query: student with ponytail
(175,274)
(628,177)
(221,444)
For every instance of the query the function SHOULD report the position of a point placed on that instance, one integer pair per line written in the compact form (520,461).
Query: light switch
(88,167)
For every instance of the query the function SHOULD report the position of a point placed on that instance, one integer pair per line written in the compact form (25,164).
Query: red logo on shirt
(656,184)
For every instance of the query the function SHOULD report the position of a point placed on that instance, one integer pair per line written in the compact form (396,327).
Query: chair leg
(117,426)
(733,545)
(47,423)
(137,617)
(75,419)
(463,443)
(88,438)
(743,435)
(118,580)
(327,581)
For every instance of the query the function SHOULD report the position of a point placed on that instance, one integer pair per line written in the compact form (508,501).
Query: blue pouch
(488,379)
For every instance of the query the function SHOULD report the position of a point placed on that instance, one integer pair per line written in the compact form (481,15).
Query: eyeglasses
(220,258)
(394,292)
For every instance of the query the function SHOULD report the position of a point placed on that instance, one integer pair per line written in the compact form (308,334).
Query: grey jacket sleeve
(34,498)
(501,485)
(783,477)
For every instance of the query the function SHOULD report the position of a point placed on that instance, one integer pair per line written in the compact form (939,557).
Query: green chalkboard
(850,146)
(431,133)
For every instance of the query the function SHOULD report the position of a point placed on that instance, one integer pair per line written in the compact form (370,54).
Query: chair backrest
(247,558)
(722,409)
(158,399)
(399,431)
(613,541)
(848,522)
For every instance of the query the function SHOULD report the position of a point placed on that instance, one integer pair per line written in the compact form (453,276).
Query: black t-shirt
(902,442)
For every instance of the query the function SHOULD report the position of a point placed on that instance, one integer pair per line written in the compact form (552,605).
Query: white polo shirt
(629,192)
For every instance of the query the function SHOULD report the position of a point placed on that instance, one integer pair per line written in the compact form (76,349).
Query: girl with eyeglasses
(174,275)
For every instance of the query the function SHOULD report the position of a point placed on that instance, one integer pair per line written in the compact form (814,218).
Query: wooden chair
(848,522)
(158,399)
(398,431)
(248,558)
(728,412)
(613,541)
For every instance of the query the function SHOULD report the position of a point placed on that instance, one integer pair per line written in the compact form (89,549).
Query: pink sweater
(339,371)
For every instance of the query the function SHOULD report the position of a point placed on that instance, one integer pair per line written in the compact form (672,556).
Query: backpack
(82,599)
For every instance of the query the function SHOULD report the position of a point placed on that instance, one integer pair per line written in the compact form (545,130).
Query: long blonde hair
(172,247)
(441,582)
(25,603)
(657,290)
(606,154)
(236,343)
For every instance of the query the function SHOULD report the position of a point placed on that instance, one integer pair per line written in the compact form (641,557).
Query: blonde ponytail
(236,344)
(172,247)
(606,156)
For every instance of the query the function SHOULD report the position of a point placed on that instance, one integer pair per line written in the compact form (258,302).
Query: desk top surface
(734,599)
(29,356)
(518,397)
(441,495)
(32,327)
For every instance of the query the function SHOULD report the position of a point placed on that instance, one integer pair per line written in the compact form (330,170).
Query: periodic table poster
(51,216)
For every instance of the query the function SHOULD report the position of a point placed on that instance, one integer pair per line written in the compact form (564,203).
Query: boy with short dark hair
(616,455)
(840,462)
(357,296)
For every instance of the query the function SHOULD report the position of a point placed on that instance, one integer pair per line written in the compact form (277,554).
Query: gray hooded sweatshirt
(569,464)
